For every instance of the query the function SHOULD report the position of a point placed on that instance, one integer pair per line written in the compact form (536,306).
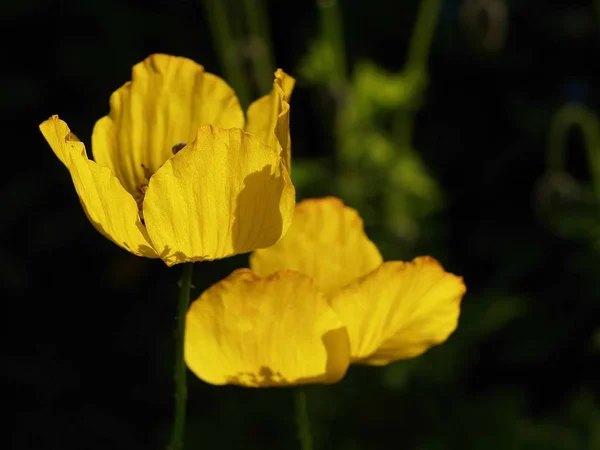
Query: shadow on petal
(264,208)
(224,194)
(335,367)
(179,256)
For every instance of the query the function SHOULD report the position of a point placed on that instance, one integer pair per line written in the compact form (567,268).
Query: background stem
(228,51)
(304,433)
(332,31)
(180,369)
(259,36)
(420,40)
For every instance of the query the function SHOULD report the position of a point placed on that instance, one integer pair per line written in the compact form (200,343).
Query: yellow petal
(258,332)
(326,242)
(269,116)
(225,193)
(110,208)
(167,100)
(399,310)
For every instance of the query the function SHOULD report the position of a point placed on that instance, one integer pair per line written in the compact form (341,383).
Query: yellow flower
(322,287)
(177,174)
(258,331)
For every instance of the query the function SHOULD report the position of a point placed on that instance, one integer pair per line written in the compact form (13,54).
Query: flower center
(178,147)
(141,192)
(141,189)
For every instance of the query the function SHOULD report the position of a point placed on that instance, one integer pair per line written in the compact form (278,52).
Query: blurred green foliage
(569,206)
(373,130)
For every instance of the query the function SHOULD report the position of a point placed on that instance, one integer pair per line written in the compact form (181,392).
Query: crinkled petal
(326,242)
(225,193)
(399,310)
(257,332)
(110,208)
(167,100)
(269,116)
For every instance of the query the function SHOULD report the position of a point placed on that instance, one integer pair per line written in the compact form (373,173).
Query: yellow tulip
(318,300)
(177,173)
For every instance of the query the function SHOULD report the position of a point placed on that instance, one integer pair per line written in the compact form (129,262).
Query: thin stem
(569,116)
(227,49)
(420,41)
(332,31)
(304,433)
(180,369)
(416,65)
(262,58)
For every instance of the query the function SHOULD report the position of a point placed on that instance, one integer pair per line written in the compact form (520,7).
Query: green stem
(227,49)
(564,119)
(420,41)
(416,66)
(180,369)
(332,31)
(262,60)
(304,433)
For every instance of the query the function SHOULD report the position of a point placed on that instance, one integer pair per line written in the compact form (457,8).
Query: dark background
(88,345)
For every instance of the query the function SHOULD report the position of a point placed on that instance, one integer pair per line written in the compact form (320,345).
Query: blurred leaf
(494,313)
(568,207)
(318,63)
(311,177)
(396,376)
(376,88)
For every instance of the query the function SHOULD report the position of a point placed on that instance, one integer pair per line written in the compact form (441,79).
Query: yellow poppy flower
(392,310)
(177,174)
(255,331)
(319,299)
